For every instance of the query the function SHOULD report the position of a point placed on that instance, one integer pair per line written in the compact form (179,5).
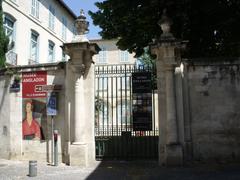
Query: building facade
(110,54)
(36,30)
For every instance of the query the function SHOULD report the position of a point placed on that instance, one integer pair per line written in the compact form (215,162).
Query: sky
(86,5)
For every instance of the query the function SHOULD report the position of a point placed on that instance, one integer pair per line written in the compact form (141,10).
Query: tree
(146,59)
(3,40)
(211,27)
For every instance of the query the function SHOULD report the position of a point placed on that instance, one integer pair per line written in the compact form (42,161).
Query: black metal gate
(114,135)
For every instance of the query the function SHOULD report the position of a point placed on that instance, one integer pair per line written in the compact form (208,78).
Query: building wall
(4,117)
(25,22)
(214,110)
(113,53)
(12,145)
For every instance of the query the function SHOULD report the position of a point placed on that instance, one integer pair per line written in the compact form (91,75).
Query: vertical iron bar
(103,109)
(121,98)
(112,98)
(98,114)
(117,103)
(107,105)
(125,79)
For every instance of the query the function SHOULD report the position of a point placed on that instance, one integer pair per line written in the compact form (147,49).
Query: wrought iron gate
(114,135)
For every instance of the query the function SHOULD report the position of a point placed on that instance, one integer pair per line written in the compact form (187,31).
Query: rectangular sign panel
(142,101)
(52,105)
(31,82)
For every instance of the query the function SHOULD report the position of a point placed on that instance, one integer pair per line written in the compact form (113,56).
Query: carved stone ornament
(81,26)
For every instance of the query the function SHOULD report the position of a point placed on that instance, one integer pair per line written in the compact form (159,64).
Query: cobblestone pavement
(12,170)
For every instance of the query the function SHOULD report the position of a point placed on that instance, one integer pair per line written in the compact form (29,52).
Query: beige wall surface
(4,117)
(113,53)
(12,145)
(214,108)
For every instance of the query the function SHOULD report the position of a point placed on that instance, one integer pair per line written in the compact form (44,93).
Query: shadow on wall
(5,90)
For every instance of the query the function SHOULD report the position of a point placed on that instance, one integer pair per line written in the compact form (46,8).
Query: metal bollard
(32,168)
(55,135)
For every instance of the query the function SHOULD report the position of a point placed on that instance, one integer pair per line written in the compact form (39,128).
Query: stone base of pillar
(188,151)
(174,155)
(81,155)
(78,154)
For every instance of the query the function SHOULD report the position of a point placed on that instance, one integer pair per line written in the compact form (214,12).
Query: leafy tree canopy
(3,39)
(211,26)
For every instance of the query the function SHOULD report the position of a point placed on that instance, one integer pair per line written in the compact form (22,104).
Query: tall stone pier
(167,49)
(81,136)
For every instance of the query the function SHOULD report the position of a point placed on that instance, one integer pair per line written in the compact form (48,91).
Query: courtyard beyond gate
(115,135)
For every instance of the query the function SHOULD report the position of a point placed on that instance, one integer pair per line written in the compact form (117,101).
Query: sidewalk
(11,170)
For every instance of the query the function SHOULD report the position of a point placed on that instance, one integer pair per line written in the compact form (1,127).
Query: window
(63,56)
(74,31)
(124,112)
(15,1)
(102,83)
(64,28)
(8,25)
(35,8)
(34,47)
(124,83)
(123,56)
(51,46)
(51,17)
(102,57)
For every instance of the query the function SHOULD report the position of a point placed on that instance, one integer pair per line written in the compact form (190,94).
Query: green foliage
(98,104)
(3,40)
(146,59)
(212,27)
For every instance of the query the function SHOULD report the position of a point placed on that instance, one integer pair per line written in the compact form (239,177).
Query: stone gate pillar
(167,49)
(82,147)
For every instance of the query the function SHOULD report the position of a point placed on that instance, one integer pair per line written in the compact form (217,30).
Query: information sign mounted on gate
(142,101)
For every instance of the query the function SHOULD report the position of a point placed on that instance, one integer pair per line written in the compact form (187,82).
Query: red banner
(31,82)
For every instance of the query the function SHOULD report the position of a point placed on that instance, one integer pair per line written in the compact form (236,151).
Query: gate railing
(113,117)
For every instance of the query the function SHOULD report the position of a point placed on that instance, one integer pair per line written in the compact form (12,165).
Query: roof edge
(69,10)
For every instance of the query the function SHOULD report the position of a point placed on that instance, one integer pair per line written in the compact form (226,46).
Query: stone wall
(12,145)
(214,110)
(4,117)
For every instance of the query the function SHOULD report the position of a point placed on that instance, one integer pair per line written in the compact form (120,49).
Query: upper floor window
(124,56)
(102,57)
(9,28)
(51,17)
(64,56)
(15,1)
(34,47)
(35,8)
(51,47)
(64,28)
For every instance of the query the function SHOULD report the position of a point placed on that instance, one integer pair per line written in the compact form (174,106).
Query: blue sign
(52,105)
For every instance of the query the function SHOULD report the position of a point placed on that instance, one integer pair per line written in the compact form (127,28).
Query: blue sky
(86,5)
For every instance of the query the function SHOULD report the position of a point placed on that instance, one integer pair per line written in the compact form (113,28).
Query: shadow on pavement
(142,170)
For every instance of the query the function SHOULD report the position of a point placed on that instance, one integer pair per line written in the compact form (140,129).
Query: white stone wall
(4,117)
(12,146)
(25,22)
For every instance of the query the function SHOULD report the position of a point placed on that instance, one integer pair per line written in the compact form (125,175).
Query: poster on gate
(142,101)
(31,84)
